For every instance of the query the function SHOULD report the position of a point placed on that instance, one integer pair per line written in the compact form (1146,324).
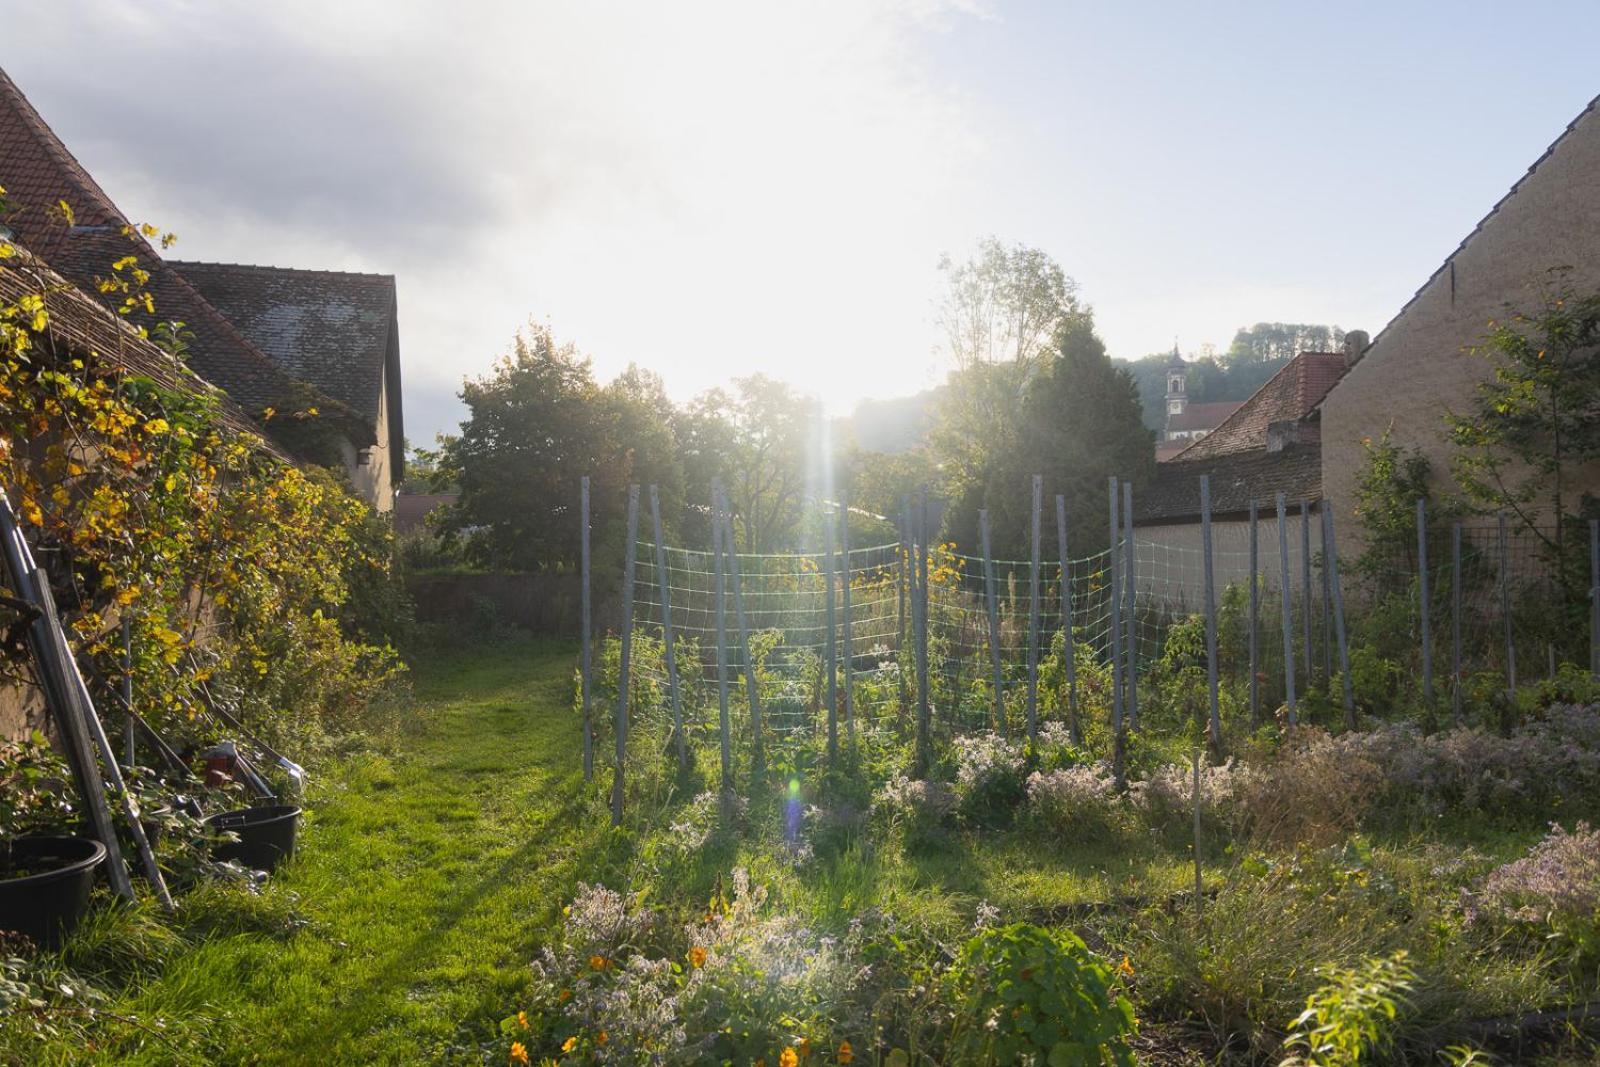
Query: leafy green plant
(1023,992)
(1348,1017)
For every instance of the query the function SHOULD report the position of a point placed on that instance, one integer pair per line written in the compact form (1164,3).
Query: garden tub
(266,835)
(50,890)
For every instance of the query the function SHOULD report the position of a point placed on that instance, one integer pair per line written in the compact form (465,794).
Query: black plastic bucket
(266,835)
(47,906)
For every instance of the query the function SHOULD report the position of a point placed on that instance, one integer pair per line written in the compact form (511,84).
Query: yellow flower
(569,1044)
(788,1059)
(601,1038)
(519,1054)
(522,1019)
(846,1053)
(697,957)
(597,962)
(563,996)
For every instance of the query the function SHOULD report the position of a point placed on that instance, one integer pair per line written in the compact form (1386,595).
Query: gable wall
(1416,370)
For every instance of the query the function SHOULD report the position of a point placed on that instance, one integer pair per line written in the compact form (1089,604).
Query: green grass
(426,878)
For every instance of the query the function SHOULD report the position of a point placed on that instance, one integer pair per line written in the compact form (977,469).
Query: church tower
(1177,379)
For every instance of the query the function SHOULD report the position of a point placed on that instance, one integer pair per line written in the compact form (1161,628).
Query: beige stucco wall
(1416,370)
(1170,560)
(373,480)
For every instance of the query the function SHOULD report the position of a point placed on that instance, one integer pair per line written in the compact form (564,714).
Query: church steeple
(1177,382)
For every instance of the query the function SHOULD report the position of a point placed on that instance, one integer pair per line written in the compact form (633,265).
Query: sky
(714,189)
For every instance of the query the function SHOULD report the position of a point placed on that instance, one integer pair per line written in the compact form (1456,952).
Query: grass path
(426,878)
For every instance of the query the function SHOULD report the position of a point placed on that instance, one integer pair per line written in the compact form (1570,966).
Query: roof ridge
(190,264)
(73,171)
(1449,260)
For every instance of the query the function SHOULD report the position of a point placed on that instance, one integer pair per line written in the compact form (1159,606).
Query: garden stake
(666,633)
(1288,631)
(1423,603)
(1033,617)
(1255,608)
(1130,578)
(50,652)
(1069,645)
(1505,613)
(624,675)
(1199,885)
(752,695)
(1305,588)
(993,612)
(127,692)
(1215,722)
(1117,739)
(845,636)
(831,659)
(1455,623)
(586,658)
(722,640)
(1338,618)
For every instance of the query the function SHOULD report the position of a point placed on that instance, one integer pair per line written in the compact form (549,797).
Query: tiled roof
(1291,394)
(1173,495)
(329,328)
(37,172)
(1165,450)
(1204,416)
(80,326)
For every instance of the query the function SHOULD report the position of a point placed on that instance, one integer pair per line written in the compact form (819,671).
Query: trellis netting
(1482,616)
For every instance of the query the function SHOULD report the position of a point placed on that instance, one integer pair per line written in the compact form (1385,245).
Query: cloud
(707,189)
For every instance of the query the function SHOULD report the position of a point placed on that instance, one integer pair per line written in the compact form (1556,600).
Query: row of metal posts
(1122,644)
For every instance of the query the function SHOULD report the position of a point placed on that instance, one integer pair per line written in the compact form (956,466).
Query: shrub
(989,779)
(1554,890)
(1315,790)
(1022,993)
(1165,800)
(1081,802)
(916,810)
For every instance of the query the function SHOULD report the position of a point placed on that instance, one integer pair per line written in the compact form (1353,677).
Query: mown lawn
(426,877)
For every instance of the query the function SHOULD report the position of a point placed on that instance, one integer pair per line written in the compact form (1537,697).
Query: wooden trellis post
(1424,604)
(1288,617)
(128,739)
(1130,580)
(993,611)
(719,608)
(924,711)
(1338,617)
(667,640)
(1505,612)
(830,645)
(1255,619)
(1068,642)
(586,621)
(1033,615)
(849,648)
(1215,721)
(758,751)
(1114,571)
(1455,623)
(902,587)
(624,674)
(1305,587)
(1594,597)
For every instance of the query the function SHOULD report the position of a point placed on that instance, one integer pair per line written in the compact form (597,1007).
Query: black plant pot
(46,904)
(266,835)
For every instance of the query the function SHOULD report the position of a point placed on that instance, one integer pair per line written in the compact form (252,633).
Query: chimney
(1282,434)
(1355,344)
